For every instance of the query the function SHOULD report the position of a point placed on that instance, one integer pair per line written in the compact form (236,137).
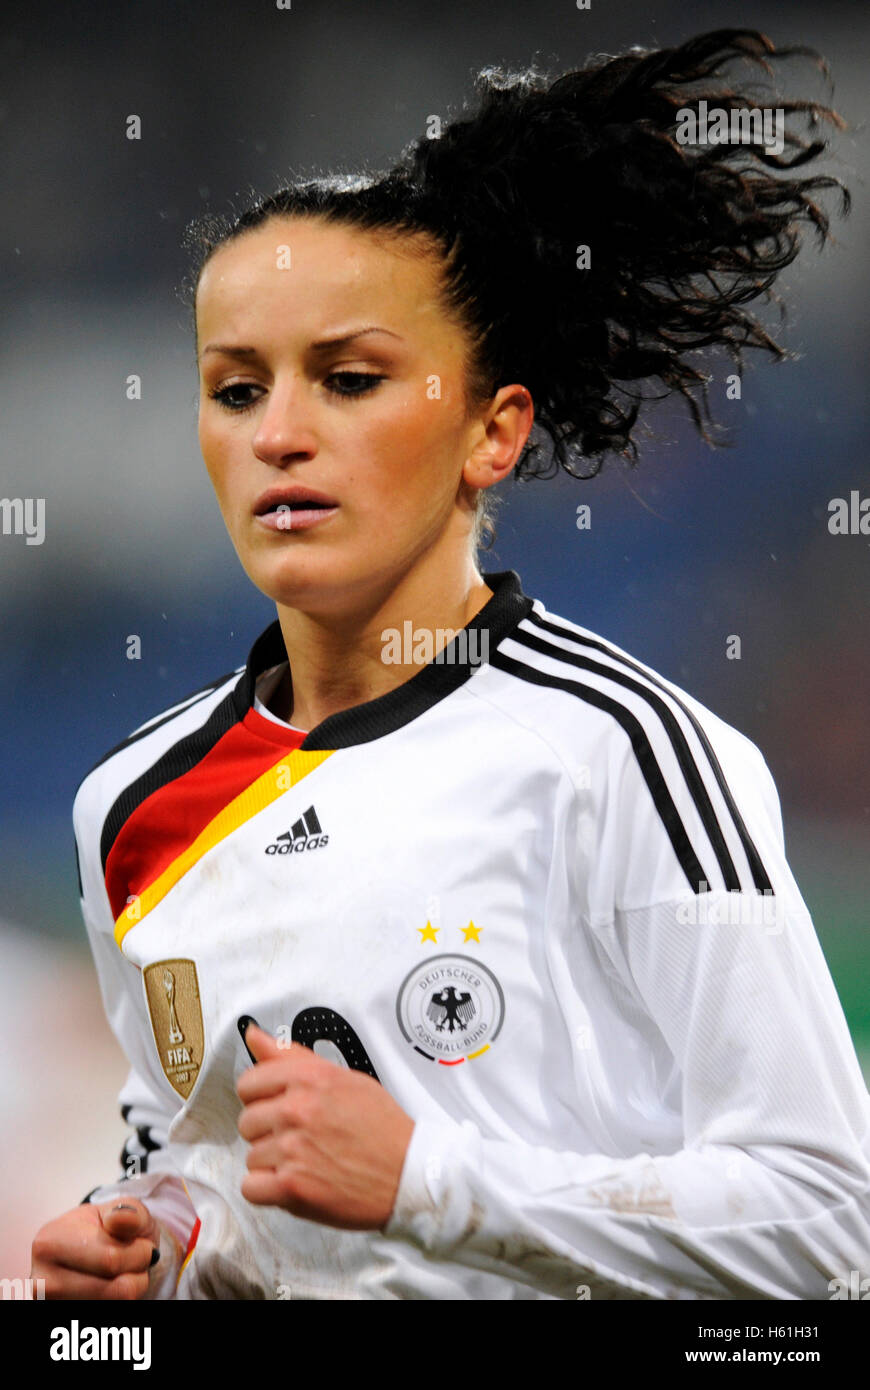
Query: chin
(296,581)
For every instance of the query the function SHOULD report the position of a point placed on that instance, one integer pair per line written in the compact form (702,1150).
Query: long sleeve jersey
(540,894)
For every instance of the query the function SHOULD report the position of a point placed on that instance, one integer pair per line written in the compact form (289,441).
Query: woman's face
(295,394)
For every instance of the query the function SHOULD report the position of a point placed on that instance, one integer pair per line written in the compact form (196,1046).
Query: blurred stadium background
(691,547)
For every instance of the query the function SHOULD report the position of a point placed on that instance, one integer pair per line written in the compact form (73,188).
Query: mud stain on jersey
(646,1198)
(475,1220)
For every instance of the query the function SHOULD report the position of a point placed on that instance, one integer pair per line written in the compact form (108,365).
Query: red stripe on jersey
(170,819)
(191,1246)
(194,1237)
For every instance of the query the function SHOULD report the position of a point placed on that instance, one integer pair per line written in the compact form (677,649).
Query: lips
(296,497)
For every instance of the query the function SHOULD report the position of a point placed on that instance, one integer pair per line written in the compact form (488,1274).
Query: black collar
(362,723)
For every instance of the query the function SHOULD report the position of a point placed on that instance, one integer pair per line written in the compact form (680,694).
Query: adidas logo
(306,833)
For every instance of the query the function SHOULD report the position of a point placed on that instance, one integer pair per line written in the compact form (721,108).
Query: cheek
(207,445)
(417,444)
(215,453)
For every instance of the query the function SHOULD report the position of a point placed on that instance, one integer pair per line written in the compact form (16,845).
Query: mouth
(293,509)
(281,500)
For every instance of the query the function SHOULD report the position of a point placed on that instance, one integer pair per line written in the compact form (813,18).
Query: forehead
(305,272)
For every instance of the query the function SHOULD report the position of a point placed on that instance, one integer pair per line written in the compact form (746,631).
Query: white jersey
(538,892)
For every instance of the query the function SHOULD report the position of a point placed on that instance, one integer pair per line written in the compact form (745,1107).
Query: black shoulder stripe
(78,868)
(143,1134)
(181,707)
(674,732)
(759,874)
(147,1144)
(652,773)
(177,760)
(124,1160)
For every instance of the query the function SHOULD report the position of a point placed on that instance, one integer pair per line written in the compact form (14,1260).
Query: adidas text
(282,846)
(305,833)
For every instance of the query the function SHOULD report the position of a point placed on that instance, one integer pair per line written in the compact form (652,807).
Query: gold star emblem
(428,933)
(471,932)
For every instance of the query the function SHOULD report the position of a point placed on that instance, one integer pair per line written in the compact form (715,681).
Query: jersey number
(325,1025)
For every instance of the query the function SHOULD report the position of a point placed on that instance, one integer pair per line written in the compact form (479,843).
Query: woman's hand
(327,1143)
(97,1252)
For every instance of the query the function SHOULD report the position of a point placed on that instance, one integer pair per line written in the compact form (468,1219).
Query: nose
(284,432)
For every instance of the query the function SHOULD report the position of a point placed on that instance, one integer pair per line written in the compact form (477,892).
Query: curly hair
(680,236)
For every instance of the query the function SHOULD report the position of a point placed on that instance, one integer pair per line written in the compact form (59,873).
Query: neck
(342,659)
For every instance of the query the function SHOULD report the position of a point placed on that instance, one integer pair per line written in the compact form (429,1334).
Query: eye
(224,398)
(364,383)
(347,384)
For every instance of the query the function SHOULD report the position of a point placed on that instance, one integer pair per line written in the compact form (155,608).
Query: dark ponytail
(681,237)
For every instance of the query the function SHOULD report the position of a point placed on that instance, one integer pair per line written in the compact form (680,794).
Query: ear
(506,427)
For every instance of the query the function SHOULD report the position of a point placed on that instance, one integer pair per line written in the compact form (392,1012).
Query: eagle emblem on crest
(451,1008)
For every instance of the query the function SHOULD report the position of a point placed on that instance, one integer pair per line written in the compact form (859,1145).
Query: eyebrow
(320,346)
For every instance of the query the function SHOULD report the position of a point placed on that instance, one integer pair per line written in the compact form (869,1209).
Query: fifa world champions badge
(172,992)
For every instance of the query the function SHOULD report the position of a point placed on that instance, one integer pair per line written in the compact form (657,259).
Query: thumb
(128,1218)
(260,1045)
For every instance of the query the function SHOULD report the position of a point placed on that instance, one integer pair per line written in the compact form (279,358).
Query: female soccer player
(501,916)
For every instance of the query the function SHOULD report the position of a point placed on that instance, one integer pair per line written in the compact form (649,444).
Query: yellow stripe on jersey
(286,773)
